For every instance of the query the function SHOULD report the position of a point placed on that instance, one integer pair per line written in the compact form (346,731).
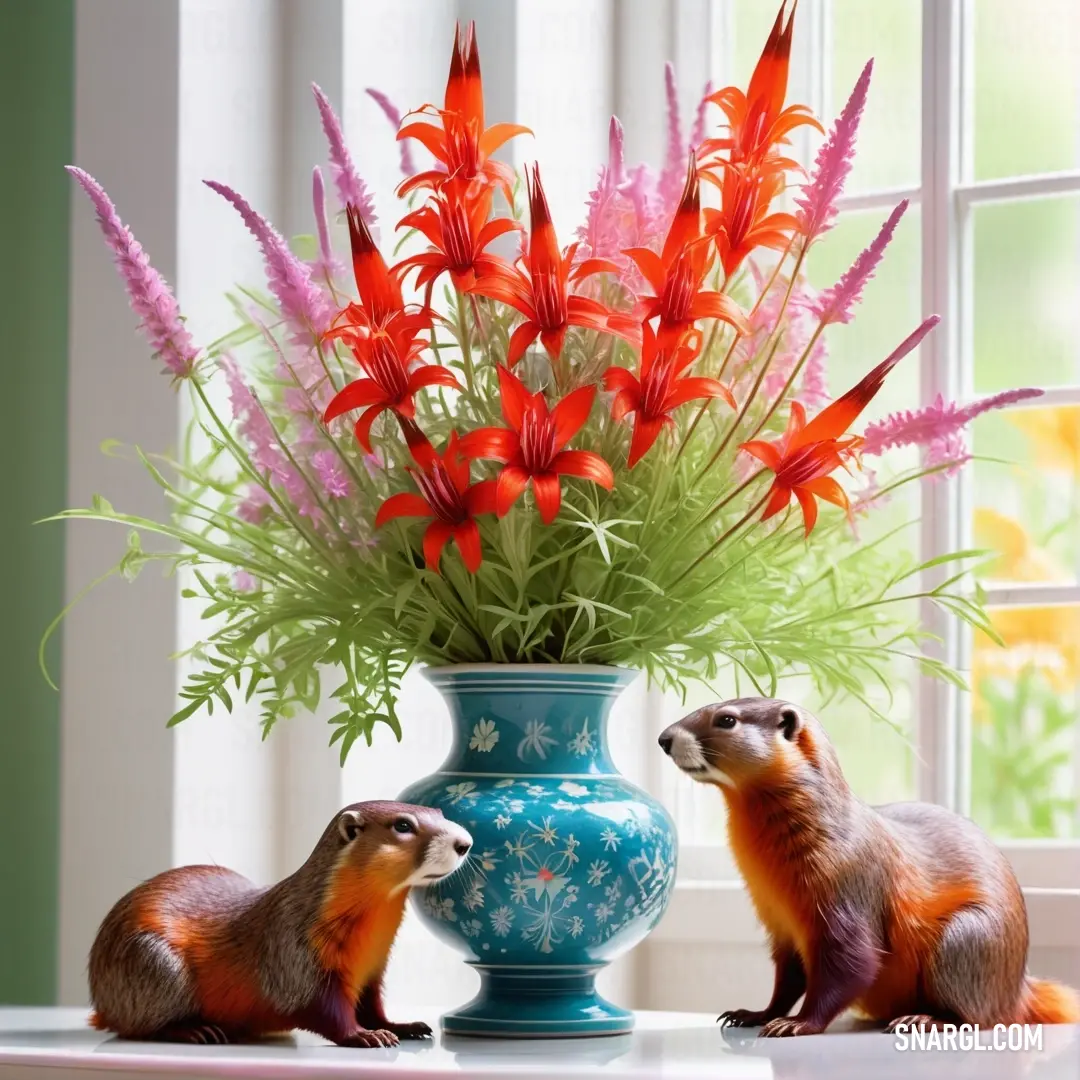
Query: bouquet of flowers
(621,451)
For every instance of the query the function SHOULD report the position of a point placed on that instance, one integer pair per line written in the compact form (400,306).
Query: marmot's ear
(350,825)
(789,722)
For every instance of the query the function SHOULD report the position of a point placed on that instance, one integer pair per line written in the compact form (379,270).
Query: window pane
(1026,285)
(1024,724)
(1026,86)
(1029,510)
(889,148)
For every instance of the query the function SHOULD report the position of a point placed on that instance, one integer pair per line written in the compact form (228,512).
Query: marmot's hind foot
(785,1027)
(206,1034)
(739,1018)
(364,1038)
(914,1022)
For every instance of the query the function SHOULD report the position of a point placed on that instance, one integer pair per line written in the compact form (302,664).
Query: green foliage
(670,572)
(1022,755)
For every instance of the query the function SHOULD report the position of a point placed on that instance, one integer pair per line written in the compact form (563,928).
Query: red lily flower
(659,390)
(679,271)
(462,145)
(391,385)
(539,291)
(743,221)
(757,119)
(447,496)
(381,305)
(455,220)
(531,449)
(802,467)
(383,338)
(806,453)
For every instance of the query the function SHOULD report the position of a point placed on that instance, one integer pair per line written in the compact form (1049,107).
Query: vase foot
(536,1003)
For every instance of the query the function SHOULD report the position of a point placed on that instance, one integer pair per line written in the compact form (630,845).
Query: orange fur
(783,903)
(1048,1002)
(913,926)
(792,892)
(357,925)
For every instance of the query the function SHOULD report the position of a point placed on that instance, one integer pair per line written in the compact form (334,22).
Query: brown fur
(899,910)
(201,954)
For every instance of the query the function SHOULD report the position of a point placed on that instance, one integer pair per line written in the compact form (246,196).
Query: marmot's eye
(403,825)
(725,721)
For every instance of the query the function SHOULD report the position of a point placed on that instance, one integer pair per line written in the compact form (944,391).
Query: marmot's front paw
(364,1038)
(416,1030)
(785,1026)
(744,1017)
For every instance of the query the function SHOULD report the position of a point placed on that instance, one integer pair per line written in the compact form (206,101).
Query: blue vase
(571,866)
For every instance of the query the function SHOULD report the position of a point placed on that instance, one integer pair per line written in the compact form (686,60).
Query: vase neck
(542,720)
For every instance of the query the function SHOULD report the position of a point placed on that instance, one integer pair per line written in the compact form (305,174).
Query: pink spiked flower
(393,114)
(621,211)
(258,431)
(326,265)
(350,188)
(669,188)
(838,303)
(616,151)
(306,307)
(817,203)
(638,187)
(244,582)
(601,234)
(149,295)
(697,132)
(673,174)
(938,428)
(331,475)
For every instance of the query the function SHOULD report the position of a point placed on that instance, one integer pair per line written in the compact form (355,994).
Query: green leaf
(188,710)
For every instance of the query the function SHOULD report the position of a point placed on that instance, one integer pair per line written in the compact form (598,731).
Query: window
(982,137)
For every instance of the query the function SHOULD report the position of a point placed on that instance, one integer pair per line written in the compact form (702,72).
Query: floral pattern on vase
(571,864)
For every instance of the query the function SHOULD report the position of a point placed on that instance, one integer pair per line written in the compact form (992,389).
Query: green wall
(36,97)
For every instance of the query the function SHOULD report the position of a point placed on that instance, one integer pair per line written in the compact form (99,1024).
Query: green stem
(466,346)
(776,336)
(789,383)
(719,543)
(240,456)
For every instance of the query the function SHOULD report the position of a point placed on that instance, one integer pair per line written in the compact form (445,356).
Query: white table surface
(55,1044)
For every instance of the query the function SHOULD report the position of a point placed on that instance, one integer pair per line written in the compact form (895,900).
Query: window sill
(55,1044)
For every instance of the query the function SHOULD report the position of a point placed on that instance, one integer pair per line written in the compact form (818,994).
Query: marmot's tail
(1046,1002)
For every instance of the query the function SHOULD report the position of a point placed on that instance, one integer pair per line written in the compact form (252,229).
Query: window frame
(948,198)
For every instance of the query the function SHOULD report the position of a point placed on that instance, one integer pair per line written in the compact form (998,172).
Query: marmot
(906,912)
(200,954)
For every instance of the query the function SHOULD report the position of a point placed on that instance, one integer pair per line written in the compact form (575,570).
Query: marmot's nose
(665,742)
(462,847)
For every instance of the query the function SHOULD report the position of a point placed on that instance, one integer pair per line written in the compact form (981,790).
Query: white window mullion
(937,724)
(1026,595)
(879,199)
(1013,188)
